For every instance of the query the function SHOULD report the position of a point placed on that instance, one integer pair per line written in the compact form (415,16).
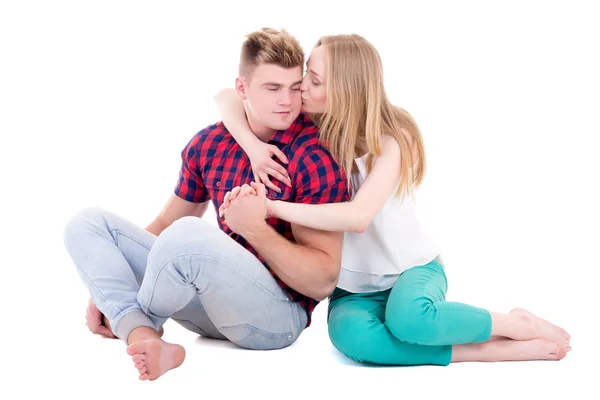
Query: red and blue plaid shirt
(213,164)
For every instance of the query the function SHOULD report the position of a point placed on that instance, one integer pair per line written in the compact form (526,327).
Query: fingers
(279,176)
(246,190)
(278,153)
(259,188)
(104,331)
(257,177)
(230,196)
(267,182)
(279,172)
(234,193)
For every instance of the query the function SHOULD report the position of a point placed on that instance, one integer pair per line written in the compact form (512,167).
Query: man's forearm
(307,270)
(156,227)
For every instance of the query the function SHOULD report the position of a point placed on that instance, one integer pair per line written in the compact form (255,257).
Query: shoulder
(214,133)
(307,133)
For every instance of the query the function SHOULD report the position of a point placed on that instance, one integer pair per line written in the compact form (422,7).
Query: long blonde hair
(358,111)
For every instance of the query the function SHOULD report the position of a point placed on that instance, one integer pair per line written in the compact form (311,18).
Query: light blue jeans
(193,273)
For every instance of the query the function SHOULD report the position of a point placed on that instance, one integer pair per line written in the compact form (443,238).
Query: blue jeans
(192,273)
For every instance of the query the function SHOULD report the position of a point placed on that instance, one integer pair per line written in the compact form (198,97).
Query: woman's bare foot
(508,350)
(545,329)
(154,357)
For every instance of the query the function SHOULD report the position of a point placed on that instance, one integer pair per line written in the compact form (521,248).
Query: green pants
(409,324)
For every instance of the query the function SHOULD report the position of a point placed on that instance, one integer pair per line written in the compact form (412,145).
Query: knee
(413,321)
(179,246)
(346,329)
(184,232)
(83,221)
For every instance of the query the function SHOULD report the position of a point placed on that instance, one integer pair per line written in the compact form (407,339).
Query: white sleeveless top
(393,242)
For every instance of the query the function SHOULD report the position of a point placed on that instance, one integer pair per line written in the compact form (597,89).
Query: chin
(281,126)
(307,108)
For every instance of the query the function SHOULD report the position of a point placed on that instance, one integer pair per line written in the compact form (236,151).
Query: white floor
(50,351)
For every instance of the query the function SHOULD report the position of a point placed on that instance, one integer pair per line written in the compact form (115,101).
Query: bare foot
(508,350)
(529,350)
(154,357)
(545,329)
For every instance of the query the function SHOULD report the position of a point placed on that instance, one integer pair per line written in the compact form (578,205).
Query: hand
(247,209)
(235,192)
(93,320)
(230,196)
(262,163)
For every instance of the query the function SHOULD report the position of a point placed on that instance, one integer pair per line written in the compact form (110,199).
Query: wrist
(256,231)
(272,208)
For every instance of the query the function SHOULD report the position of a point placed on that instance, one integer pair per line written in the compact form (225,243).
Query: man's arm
(311,267)
(176,208)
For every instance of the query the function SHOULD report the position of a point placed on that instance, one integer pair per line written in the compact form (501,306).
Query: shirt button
(218,184)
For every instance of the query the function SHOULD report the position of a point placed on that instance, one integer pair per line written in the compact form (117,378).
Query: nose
(303,85)
(285,99)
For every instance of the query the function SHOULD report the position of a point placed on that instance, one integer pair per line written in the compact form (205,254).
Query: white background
(97,99)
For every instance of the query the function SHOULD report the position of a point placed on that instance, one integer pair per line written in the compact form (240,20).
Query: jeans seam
(120,233)
(187,320)
(98,290)
(162,267)
(244,324)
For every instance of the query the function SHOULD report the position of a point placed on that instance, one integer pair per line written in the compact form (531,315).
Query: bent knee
(86,219)
(413,322)
(347,329)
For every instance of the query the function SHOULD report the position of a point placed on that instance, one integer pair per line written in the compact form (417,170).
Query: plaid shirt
(213,164)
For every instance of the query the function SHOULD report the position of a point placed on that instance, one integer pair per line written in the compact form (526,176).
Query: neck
(261,131)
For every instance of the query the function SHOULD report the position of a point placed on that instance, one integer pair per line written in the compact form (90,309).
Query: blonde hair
(269,46)
(358,111)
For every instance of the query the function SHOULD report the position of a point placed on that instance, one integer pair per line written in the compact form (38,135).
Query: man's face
(273,95)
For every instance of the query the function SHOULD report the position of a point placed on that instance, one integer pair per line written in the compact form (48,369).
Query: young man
(256,280)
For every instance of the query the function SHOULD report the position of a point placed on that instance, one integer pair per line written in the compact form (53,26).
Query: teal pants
(409,324)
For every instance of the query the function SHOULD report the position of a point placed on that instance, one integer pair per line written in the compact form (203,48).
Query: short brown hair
(270,46)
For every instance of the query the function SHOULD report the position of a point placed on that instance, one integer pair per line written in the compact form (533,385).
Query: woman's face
(314,97)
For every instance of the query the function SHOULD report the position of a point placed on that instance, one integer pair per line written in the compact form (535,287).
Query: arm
(355,215)
(175,208)
(190,196)
(311,266)
(232,111)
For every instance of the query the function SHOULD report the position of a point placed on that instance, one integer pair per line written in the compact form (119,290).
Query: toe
(560,352)
(136,348)
(140,365)
(138,358)
(144,377)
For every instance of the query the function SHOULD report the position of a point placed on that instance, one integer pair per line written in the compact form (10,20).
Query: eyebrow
(312,71)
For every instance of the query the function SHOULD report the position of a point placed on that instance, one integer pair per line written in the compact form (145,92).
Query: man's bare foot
(508,350)
(545,329)
(154,357)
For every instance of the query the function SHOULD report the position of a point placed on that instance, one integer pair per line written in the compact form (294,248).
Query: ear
(241,85)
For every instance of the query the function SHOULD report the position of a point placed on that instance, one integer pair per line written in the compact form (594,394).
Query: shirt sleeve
(190,185)
(321,180)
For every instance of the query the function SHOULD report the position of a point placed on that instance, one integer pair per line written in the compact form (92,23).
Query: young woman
(389,306)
